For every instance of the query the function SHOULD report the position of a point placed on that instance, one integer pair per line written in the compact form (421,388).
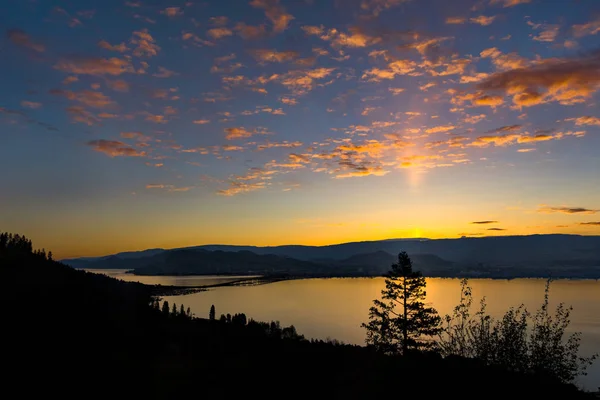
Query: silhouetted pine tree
(399,320)
(211,313)
(165,308)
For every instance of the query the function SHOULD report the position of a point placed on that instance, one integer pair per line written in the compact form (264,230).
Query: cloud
(377,6)
(249,32)
(586,120)
(89,98)
(219,33)
(355,37)
(290,101)
(496,229)
(118,85)
(275,13)
(567,81)
(30,104)
(566,210)
(482,20)
(121,48)
(113,148)
(456,20)
(219,21)
(394,68)
(507,128)
(354,170)
(157,119)
(79,114)
(21,38)
(510,3)
(164,73)
(301,82)
(145,44)
(238,187)
(172,11)
(241,133)
(474,119)
(590,28)
(94,66)
(483,222)
(168,188)
(266,55)
(440,129)
(313,30)
(396,91)
(549,34)
(273,145)
(590,223)
(201,121)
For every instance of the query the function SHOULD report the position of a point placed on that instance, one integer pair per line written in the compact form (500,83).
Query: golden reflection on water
(335,308)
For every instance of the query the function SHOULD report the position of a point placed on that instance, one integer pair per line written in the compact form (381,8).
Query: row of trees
(400,322)
(14,244)
(172,312)
(272,329)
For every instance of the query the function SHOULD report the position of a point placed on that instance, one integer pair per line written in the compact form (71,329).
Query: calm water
(191,281)
(335,308)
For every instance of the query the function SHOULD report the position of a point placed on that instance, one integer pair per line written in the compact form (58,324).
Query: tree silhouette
(165,308)
(398,330)
(174,311)
(211,313)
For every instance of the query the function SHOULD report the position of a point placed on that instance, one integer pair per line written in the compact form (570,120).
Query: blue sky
(136,124)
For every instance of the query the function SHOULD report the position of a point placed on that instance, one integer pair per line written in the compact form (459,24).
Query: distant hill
(566,256)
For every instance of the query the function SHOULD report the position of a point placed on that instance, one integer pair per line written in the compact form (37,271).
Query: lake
(335,308)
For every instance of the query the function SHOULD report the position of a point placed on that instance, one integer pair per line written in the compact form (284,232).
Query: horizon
(323,245)
(137,125)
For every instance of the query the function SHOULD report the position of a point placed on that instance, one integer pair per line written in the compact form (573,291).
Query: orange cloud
(201,121)
(89,98)
(172,11)
(241,133)
(510,3)
(249,32)
(456,20)
(587,120)
(238,187)
(157,119)
(94,66)
(567,81)
(290,101)
(266,55)
(145,44)
(219,33)
(440,129)
(121,48)
(273,145)
(21,38)
(590,28)
(113,148)
(566,210)
(397,67)
(275,13)
(482,20)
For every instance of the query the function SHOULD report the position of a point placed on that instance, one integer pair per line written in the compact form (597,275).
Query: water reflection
(186,281)
(321,308)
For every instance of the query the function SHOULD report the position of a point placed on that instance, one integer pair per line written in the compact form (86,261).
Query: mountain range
(560,256)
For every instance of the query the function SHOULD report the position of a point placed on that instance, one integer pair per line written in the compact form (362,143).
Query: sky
(127,125)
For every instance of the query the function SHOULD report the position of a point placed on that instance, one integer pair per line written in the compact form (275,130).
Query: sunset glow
(129,125)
